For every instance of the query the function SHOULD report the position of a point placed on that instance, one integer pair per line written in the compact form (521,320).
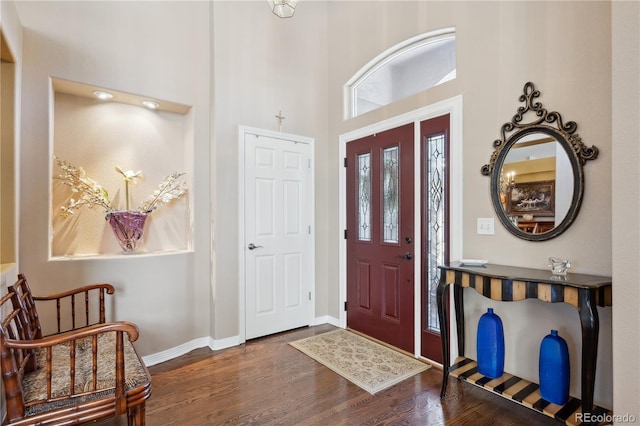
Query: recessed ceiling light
(100,94)
(151,104)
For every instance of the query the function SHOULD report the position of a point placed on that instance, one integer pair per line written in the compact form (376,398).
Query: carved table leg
(459,307)
(590,324)
(444,330)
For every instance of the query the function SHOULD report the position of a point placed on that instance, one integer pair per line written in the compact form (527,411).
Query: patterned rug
(371,366)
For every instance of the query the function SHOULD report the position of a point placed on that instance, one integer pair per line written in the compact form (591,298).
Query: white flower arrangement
(87,192)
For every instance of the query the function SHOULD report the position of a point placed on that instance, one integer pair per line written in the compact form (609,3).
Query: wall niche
(100,134)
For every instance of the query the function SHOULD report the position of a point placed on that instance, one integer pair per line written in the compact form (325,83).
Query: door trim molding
(242,132)
(451,106)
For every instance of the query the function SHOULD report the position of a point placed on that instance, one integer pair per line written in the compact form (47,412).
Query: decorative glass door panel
(390,190)
(364,197)
(380,229)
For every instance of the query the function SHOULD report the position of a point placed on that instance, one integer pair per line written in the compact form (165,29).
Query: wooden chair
(85,373)
(29,301)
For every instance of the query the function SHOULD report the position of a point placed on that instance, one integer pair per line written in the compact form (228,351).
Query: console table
(508,283)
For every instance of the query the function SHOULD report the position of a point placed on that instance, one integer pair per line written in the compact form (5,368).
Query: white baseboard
(214,345)
(225,343)
(177,351)
(327,320)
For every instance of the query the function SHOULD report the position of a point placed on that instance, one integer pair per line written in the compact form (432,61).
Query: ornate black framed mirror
(536,170)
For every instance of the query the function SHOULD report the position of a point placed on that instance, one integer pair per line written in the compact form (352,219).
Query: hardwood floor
(268,382)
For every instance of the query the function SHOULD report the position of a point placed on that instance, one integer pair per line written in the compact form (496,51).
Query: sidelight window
(435,182)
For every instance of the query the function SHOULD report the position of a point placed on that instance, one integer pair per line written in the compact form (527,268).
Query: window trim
(349,90)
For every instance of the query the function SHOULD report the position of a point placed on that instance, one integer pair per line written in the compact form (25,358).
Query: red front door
(380,233)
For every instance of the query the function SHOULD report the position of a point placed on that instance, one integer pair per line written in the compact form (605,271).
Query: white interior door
(278,240)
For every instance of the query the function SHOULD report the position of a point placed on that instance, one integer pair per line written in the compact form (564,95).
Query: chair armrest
(68,336)
(108,287)
(87,295)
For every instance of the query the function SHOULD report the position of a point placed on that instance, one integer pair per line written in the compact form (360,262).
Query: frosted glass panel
(390,194)
(364,197)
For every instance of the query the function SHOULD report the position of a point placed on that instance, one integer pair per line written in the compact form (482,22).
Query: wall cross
(280,117)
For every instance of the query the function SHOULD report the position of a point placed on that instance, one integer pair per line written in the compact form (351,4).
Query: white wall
(564,184)
(159,49)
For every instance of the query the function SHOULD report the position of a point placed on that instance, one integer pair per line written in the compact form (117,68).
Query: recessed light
(151,104)
(100,94)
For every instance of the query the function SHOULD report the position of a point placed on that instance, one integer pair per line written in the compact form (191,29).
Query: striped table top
(510,283)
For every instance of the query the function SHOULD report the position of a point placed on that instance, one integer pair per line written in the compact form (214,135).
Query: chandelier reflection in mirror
(283,8)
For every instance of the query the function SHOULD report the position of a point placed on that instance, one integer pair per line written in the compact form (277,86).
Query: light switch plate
(485,226)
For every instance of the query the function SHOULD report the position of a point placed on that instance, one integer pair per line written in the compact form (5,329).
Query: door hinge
(345,161)
(345,234)
(309,162)
(345,305)
(309,295)
(309,229)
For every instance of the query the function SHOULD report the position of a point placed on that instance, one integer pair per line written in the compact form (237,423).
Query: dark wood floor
(268,382)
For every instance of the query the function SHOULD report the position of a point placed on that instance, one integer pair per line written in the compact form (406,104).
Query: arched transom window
(403,70)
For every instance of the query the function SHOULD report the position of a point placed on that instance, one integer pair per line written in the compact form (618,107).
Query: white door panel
(278,216)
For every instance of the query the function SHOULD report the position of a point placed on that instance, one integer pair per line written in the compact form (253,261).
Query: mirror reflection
(537,178)
(536,183)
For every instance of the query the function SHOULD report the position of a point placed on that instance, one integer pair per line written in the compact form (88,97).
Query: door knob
(253,246)
(406,256)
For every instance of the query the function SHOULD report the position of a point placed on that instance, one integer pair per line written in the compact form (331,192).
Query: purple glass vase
(128,227)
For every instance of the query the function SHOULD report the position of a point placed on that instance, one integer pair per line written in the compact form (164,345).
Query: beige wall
(500,46)
(10,83)
(262,64)
(158,49)
(12,36)
(626,196)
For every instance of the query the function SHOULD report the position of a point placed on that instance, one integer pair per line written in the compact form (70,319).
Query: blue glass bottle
(490,345)
(554,369)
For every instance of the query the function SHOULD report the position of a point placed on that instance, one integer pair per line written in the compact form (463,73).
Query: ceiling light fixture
(100,94)
(283,8)
(151,104)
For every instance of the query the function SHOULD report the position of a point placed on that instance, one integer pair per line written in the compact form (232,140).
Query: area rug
(368,364)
